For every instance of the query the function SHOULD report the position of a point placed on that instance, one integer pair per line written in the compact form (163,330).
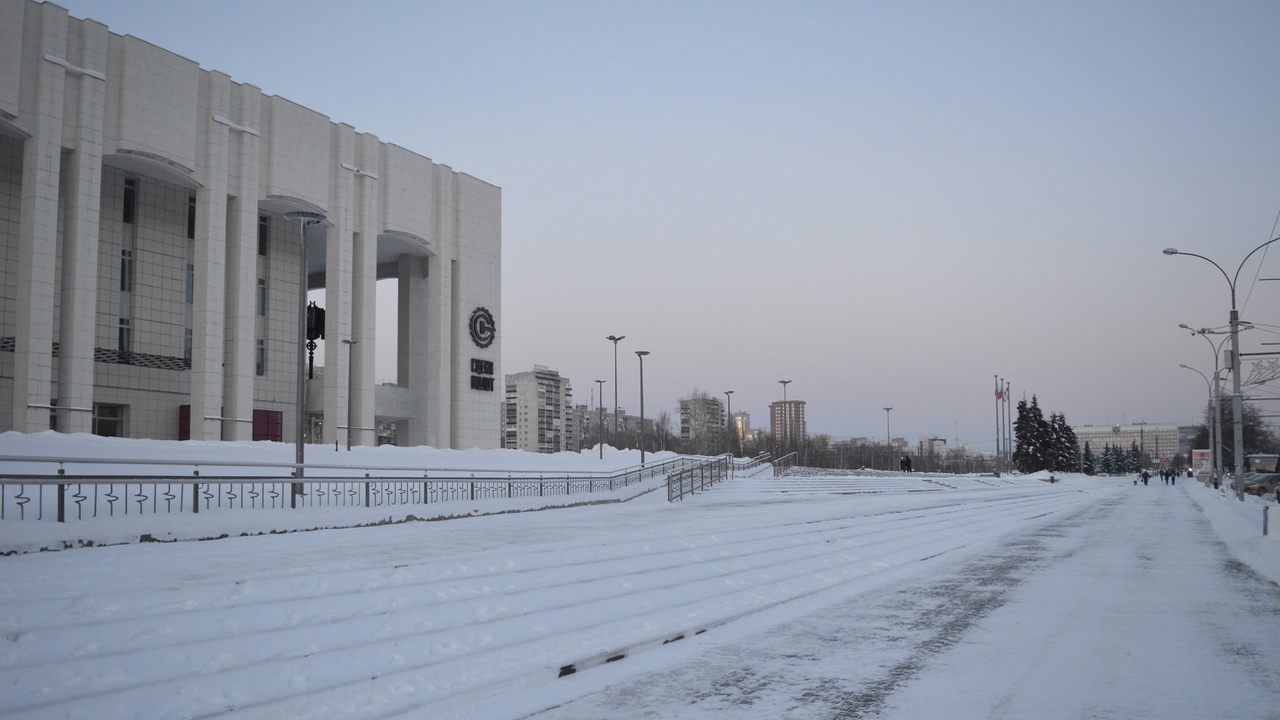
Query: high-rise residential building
(740,422)
(702,424)
(786,422)
(162,225)
(539,412)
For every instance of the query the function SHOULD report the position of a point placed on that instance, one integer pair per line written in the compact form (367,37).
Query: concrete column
(208,311)
(240,364)
(337,283)
(417,307)
(440,325)
(364,278)
(83,181)
(38,231)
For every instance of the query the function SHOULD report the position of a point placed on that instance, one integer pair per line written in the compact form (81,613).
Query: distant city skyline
(887,203)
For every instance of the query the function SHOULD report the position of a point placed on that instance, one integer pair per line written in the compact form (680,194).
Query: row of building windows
(124,337)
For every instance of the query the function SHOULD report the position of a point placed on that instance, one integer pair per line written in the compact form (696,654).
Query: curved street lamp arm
(1206,377)
(1242,262)
(1231,283)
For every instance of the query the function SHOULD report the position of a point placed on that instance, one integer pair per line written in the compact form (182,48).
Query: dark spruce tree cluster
(1044,444)
(1116,460)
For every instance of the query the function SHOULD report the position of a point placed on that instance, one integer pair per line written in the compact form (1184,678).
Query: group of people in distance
(1170,477)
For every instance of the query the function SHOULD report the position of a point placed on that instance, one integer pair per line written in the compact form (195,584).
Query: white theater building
(152,259)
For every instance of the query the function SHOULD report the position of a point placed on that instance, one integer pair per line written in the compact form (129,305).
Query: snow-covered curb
(1239,524)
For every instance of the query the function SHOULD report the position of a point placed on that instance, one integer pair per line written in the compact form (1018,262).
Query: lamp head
(642,353)
(308,218)
(1170,251)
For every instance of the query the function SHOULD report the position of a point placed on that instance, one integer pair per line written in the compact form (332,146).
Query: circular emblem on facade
(483,328)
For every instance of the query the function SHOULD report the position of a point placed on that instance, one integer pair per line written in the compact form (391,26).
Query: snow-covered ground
(957,596)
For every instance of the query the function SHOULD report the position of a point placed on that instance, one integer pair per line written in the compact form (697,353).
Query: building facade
(155,268)
(1156,441)
(740,423)
(786,422)
(539,413)
(702,424)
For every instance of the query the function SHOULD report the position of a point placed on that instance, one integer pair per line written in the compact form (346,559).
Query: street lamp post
(888,441)
(786,426)
(1213,426)
(640,354)
(351,350)
(305,219)
(600,442)
(615,339)
(1237,410)
(728,416)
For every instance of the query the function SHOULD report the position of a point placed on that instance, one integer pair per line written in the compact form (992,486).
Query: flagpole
(999,429)
(1004,446)
(1008,417)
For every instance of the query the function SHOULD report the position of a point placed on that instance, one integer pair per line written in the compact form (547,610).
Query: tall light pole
(351,350)
(728,416)
(600,384)
(640,354)
(1237,410)
(1215,428)
(786,425)
(888,435)
(305,219)
(615,339)
(1213,431)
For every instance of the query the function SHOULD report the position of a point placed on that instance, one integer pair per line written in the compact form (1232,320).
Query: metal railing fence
(783,465)
(743,464)
(47,491)
(695,478)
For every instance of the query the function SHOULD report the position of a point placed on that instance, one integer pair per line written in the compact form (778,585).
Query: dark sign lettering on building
(481,374)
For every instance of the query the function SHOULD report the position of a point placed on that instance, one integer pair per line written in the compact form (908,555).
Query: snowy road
(1125,608)
(763,598)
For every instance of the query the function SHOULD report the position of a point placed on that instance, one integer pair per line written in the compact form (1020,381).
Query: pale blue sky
(886,203)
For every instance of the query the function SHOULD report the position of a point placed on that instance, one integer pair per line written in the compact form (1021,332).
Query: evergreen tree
(1087,461)
(1032,434)
(1063,447)
(1133,459)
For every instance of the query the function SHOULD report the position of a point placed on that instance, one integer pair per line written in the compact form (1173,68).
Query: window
(186,347)
(130,200)
(267,424)
(191,217)
(260,358)
(264,234)
(108,420)
(262,297)
(125,338)
(126,271)
(191,283)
